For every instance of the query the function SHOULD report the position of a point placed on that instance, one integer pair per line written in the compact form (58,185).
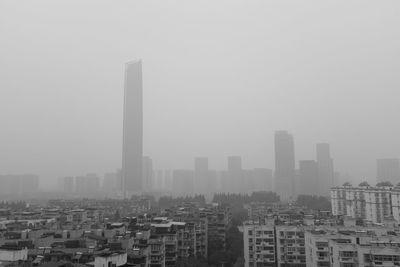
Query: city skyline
(207,93)
(199,133)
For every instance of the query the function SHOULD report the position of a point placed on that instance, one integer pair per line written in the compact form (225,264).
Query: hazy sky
(219,78)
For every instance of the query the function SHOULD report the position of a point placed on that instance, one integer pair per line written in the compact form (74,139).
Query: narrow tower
(132,147)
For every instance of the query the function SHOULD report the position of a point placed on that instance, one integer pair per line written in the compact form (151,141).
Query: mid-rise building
(352,247)
(267,244)
(369,203)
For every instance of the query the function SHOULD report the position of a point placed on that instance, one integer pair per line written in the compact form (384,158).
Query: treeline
(240,199)
(314,202)
(167,202)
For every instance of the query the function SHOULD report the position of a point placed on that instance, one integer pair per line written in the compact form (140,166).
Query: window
(348,254)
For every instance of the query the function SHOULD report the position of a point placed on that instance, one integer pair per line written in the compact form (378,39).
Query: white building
(373,204)
(351,248)
(110,259)
(13,255)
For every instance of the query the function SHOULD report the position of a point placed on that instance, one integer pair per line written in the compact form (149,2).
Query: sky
(219,77)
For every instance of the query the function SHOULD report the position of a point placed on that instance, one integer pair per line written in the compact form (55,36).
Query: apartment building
(352,247)
(259,244)
(373,204)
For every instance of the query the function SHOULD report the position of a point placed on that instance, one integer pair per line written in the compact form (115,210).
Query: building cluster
(367,203)
(89,184)
(19,184)
(313,177)
(110,233)
(201,180)
(235,179)
(293,237)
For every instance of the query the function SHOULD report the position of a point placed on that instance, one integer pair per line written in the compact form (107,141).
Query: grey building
(325,169)
(132,148)
(388,170)
(284,165)
(308,177)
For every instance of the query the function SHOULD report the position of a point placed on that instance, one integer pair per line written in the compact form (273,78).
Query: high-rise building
(92,183)
(19,184)
(256,180)
(183,183)
(233,178)
(263,179)
(159,184)
(326,173)
(80,184)
(201,177)
(284,165)
(132,154)
(147,174)
(67,184)
(110,182)
(388,170)
(308,177)
(234,163)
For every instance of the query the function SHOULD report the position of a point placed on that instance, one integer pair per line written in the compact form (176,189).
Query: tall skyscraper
(308,177)
(284,165)
(326,173)
(132,148)
(388,170)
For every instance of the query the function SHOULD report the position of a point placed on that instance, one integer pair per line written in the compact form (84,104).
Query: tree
(383,184)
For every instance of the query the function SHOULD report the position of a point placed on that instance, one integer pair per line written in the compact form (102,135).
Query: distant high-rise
(284,165)
(308,177)
(110,182)
(147,174)
(262,179)
(201,175)
(205,180)
(183,182)
(18,184)
(92,183)
(326,173)
(67,184)
(388,170)
(234,163)
(233,178)
(132,148)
